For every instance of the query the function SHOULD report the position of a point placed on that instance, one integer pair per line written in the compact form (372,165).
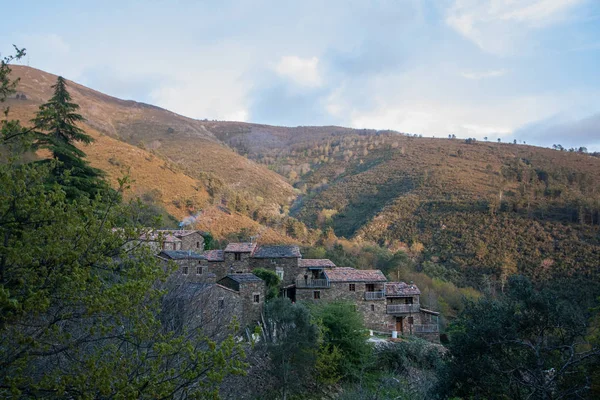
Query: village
(213,287)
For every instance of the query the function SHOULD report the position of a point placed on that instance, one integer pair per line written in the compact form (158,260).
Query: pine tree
(56,123)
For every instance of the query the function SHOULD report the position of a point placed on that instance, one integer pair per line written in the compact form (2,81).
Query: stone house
(212,306)
(164,239)
(385,306)
(190,239)
(283,260)
(245,257)
(190,263)
(252,292)
(160,240)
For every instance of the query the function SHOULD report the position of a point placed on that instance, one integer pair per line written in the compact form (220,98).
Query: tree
(271,279)
(526,344)
(499,140)
(57,122)
(80,306)
(343,331)
(293,343)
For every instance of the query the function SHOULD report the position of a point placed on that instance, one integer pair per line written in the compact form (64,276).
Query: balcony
(430,328)
(312,283)
(402,308)
(378,295)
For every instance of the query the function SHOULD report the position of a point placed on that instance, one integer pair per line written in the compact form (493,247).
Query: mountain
(464,208)
(172,160)
(468,211)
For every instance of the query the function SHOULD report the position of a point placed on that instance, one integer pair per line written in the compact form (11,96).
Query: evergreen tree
(57,122)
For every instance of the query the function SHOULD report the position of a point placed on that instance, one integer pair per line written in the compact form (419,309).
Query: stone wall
(237,266)
(289,267)
(193,241)
(251,310)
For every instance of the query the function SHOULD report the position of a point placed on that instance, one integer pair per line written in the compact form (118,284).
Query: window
(317,294)
(256,298)
(370,287)
(198,270)
(372,307)
(279,273)
(408,300)
(197,245)
(237,256)
(221,303)
(411,320)
(184,270)
(352,287)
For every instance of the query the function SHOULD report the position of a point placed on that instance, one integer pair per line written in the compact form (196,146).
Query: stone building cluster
(221,283)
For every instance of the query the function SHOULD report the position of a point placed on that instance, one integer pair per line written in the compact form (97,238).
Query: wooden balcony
(312,283)
(402,308)
(430,328)
(377,295)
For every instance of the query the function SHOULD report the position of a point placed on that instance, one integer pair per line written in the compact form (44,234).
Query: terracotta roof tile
(315,263)
(346,274)
(401,289)
(214,255)
(240,247)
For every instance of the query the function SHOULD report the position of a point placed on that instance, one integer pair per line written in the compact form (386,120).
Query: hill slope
(183,141)
(485,210)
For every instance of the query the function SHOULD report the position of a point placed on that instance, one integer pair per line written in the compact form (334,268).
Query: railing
(312,283)
(402,308)
(431,328)
(379,295)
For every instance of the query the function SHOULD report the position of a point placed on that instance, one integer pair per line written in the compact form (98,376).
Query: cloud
(497,26)
(569,132)
(486,74)
(302,71)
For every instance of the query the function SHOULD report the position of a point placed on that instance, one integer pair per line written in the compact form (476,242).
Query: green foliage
(209,241)
(57,122)
(271,279)
(80,306)
(293,344)
(526,344)
(344,332)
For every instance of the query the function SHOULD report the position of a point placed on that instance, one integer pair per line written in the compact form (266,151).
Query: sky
(499,69)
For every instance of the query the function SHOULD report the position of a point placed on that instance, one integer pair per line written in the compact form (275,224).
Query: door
(399,324)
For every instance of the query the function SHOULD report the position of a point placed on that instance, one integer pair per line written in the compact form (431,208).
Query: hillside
(471,212)
(183,141)
(179,186)
(485,210)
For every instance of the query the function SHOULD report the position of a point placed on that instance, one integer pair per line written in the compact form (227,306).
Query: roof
(240,247)
(244,278)
(315,263)
(426,311)
(180,232)
(181,255)
(189,289)
(158,235)
(214,255)
(401,289)
(346,274)
(277,252)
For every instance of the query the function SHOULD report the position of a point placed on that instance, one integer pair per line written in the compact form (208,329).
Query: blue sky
(509,69)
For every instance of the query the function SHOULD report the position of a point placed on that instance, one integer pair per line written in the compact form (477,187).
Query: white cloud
(496,26)
(302,71)
(486,74)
